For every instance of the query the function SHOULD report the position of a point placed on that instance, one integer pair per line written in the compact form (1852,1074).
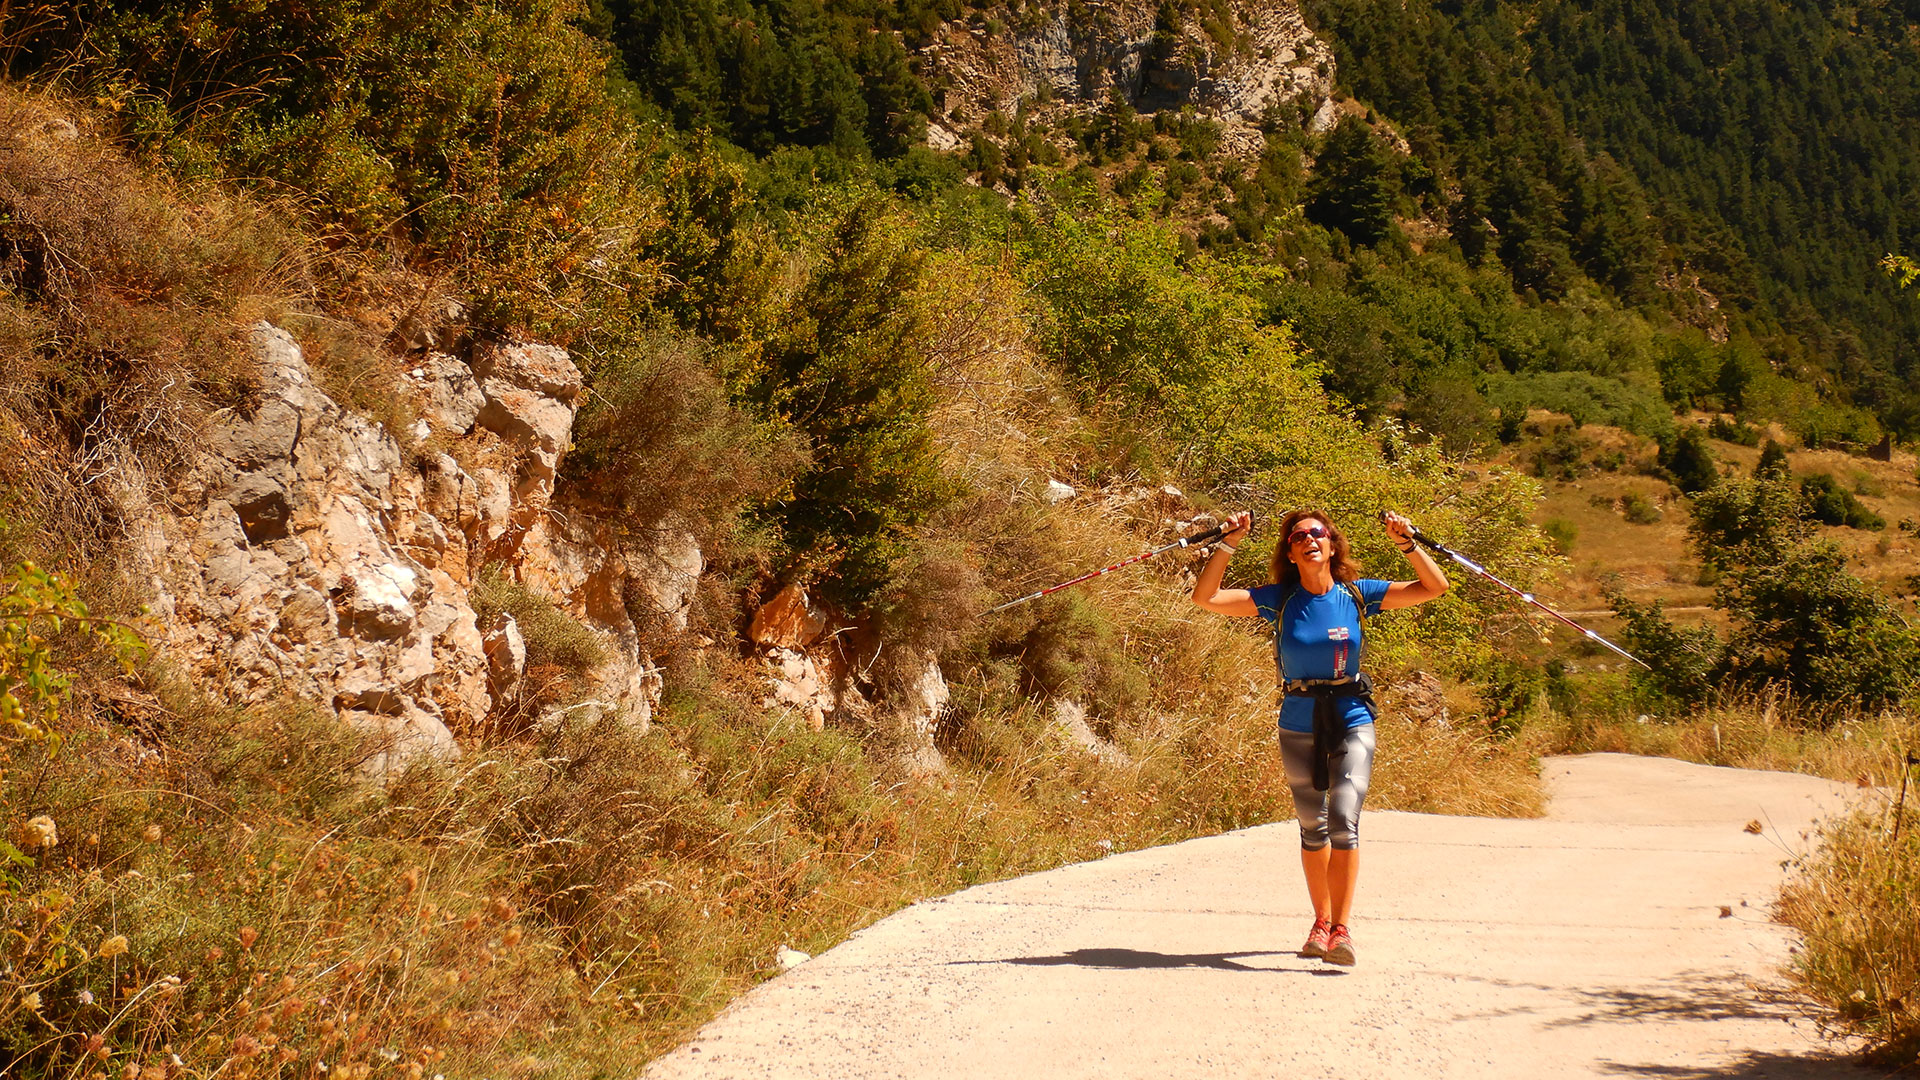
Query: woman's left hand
(1399,529)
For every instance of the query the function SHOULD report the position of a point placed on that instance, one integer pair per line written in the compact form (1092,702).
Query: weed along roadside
(511,515)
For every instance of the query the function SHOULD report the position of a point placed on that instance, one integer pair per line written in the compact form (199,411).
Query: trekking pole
(1902,807)
(1195,540)
(1476,568)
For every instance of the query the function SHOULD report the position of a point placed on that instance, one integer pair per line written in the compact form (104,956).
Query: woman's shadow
(1140,960)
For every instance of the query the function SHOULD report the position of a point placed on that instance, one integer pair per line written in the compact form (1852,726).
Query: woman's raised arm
(1206,589)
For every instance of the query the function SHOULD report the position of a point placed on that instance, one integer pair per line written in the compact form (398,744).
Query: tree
(1689,461)
(847,372)
(1356,184)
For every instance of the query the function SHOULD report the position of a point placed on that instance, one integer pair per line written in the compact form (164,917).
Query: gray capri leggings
(1330,816)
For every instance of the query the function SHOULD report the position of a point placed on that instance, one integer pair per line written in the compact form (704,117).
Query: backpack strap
(1360,608)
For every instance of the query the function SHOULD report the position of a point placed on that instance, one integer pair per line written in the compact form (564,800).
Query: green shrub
(1074,652)
(553,637)
(1684,663)
(1773,463)
(659,441)
(479,138)
(1585,397)
(1747,521)
(847,371)
(1841,427)
(1560,455)
(1734,431)
(1562,532)
(1451,410)
(1827,502)
(1639,509)
(1689,462)
(1808,622)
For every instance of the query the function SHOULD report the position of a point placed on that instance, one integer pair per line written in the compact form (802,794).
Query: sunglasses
(1311,532)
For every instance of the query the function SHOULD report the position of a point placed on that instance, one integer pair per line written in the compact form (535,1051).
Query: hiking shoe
(1316,945)
(1339,946)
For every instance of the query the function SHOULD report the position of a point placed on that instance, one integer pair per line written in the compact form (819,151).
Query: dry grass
(1856,900)
(1766,730)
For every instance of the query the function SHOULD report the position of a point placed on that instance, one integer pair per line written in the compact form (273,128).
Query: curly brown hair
(1284,571)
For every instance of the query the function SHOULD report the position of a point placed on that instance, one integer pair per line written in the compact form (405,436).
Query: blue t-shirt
(1319,637)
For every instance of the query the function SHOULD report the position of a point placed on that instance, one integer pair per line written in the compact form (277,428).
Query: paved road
(1587,943)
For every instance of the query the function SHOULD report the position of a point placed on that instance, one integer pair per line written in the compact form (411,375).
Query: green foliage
(1586,398)
(1689,461)
(480,136)
(1356,184)
(1734,431)
(1646,147)
(1773,463)
(1685,663)
(1840,427)
(1639,509)
(847,371)
(1800,616)
(1824,500)
(770,73)
(660,441)
(1452,411)
(553,637)
(1130,327)
(1754,521)
(1075,653)
(1349,337)
(1562,533)
(1808,622)
(39,613)
(1903,270)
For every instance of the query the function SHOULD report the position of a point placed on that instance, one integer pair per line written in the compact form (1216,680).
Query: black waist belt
(1325,735)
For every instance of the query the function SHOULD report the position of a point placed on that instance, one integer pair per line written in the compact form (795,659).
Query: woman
(1315,601)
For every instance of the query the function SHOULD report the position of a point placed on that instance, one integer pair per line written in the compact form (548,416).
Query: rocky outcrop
(1070,721)
(1061,58)
(839,676)
(306,553)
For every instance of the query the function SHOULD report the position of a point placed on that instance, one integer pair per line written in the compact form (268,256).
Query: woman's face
(1304,548)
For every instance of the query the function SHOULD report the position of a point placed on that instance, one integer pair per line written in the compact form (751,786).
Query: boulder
(667,574)
(531,394)
(797,683)
(451,396)
(379,600)
(506,651)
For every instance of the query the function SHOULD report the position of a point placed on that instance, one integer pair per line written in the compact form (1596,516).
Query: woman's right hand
(1237,526)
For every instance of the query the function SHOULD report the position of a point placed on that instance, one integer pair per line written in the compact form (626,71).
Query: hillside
(500,504)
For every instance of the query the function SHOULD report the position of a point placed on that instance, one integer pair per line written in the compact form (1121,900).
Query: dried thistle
(112,947)
(37,832)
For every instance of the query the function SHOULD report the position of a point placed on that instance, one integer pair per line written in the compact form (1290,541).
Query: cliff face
(1066,58)
(305,552)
